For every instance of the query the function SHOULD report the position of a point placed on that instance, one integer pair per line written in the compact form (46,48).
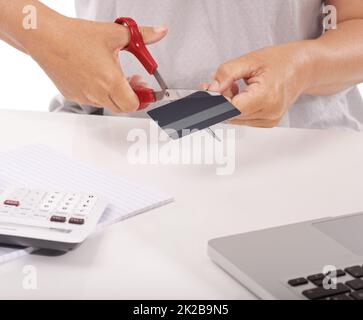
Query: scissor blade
(176,94)
(160,80)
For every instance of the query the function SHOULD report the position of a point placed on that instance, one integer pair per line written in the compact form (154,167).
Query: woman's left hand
(275,78)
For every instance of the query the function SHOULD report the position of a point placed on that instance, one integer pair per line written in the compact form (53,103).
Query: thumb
(153,34)
(230,72)
(119,36)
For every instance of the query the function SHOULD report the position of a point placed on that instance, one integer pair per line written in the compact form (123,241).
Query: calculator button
(68,203)
(82,211)
(72,197)
(64,210)
(50,201)
(92,199)
(28,213)
(40,216)
(76,221)
(35,195)
(58,219)
(86,205)
(13,203)
(45,207)
(53,196)
(27,206)
(19,194)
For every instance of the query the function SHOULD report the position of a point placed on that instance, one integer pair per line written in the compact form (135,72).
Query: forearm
(12,29)
(336,59)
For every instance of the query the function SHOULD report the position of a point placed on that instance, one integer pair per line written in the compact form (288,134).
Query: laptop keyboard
(349,285)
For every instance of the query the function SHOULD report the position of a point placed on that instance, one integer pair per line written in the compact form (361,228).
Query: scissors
(148,96)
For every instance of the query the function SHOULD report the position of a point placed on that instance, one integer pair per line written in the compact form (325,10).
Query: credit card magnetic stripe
(195,112)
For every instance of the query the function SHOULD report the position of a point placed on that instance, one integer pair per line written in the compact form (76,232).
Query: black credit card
(197,111)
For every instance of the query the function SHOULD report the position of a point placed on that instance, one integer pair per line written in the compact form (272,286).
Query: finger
(250,100)
(123,97)
(204,86)
(105,103)
(137,81)
(230,72)
(112,105)
(231,92)
(255,123)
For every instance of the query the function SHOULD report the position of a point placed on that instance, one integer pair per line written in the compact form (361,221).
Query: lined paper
(40,167)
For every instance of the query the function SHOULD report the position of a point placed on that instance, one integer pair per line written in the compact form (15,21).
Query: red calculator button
(13,203)
(58,219)
(76,221)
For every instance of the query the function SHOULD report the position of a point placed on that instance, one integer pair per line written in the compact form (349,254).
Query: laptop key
(315,277)
(356,284)
(297,282)
(338,273)
(328,278)
(340,297)
(355,271)
(357,295)
(321,293)
(318,283)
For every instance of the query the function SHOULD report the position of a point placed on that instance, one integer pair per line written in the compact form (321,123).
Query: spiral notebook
(40,166)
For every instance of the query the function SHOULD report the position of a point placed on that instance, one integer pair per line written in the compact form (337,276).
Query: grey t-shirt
(205,33)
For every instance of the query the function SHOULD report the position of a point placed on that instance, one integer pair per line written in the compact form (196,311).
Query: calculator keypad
(47,219)
(54,206)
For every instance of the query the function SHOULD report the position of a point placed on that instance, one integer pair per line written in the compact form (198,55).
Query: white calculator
(43,219)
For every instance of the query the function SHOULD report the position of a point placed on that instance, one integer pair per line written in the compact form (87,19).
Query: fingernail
(160,29)
(214,86)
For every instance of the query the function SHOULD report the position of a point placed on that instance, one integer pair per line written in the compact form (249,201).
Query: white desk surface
(282,176)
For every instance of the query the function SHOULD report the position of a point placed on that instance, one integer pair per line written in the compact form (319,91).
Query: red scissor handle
(137,45)
(138,48)
(146,96)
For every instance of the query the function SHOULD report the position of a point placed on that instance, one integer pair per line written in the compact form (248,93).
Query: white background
(23,85)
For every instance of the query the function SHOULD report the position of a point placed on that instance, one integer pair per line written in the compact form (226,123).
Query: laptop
(314,260)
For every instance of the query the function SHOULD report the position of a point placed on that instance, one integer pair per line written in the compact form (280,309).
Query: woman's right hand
(82,59)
